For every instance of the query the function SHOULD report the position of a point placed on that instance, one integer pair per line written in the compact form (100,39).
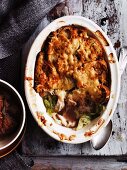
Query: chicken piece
(60,102)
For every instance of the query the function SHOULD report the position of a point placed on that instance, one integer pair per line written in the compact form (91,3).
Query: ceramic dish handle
(122,59)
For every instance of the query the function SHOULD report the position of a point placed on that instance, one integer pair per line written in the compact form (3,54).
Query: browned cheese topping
(72,66)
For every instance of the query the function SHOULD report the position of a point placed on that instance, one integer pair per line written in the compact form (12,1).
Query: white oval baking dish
(35,102)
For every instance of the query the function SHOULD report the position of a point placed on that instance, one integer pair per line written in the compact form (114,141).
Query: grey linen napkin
(18,20)
(15,162)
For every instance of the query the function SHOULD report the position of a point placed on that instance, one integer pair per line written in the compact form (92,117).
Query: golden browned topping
(72,75)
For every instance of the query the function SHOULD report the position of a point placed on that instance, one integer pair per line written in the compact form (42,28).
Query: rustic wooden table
(46,153)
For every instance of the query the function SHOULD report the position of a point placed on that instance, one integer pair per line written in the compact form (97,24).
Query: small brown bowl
(9,141)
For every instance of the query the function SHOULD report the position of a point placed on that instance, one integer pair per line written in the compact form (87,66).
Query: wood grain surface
(110,15)
(77,163)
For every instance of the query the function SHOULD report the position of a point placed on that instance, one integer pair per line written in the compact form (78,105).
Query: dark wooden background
(44,152)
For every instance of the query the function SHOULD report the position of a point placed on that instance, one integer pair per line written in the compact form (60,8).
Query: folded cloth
(20,23)
(18,20)
(15,161)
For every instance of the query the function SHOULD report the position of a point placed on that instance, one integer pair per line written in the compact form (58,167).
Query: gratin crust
(72,65)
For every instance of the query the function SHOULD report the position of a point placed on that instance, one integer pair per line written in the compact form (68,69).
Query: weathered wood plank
(107,14)
(77,163)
